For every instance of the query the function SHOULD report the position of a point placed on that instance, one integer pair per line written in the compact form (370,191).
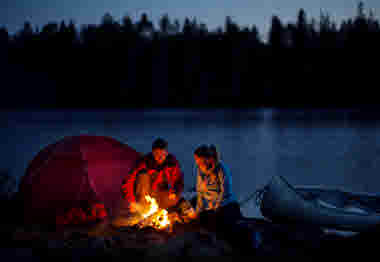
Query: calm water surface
(328,148)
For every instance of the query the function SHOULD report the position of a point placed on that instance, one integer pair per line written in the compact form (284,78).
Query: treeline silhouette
(307,63)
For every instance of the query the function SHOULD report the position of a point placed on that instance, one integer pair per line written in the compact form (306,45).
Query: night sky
(13,13)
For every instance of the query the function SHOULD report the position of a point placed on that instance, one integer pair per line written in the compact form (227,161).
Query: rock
(191,244)
(55,244)
(211,247)
(187,241)
(18,254)
(173,247)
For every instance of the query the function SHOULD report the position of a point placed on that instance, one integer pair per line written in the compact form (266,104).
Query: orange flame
(159,218)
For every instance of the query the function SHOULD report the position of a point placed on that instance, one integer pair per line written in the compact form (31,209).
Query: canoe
(322,207)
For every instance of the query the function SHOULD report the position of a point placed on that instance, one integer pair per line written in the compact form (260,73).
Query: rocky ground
(185,242)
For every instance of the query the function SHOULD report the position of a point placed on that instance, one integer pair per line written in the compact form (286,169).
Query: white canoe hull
(282,202)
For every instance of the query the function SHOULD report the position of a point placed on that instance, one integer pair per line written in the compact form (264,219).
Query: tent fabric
(74,172)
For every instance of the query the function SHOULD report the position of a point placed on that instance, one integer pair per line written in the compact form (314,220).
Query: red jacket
(167,176)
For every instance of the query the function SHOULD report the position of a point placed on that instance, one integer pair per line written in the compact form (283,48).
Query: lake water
(329,148)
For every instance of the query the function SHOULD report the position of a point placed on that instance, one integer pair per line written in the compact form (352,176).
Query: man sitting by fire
(157,175)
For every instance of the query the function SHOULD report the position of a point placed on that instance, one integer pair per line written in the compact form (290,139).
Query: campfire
(155,217)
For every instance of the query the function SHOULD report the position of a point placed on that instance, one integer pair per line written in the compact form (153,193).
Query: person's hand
(211,205)
(175,217)
(193,215)
(203,186)
(132,207)
(172,196)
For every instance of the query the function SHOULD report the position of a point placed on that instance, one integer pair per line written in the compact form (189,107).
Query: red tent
(75,170)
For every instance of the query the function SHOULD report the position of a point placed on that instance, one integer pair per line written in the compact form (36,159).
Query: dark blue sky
(13,13)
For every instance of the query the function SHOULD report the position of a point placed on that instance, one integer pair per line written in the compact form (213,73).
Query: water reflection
(326,147)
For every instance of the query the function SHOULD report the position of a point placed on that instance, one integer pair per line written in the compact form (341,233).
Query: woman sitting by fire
(216,207)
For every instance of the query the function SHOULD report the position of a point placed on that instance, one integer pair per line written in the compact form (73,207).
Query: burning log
(154,221)
(156,217)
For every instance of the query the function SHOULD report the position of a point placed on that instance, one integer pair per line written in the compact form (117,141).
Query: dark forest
(307,63)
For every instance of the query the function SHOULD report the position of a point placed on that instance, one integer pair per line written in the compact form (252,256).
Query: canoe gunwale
(283,203)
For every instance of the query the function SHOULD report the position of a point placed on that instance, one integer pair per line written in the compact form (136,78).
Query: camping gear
(83,215)
(75,170)
(326,208)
